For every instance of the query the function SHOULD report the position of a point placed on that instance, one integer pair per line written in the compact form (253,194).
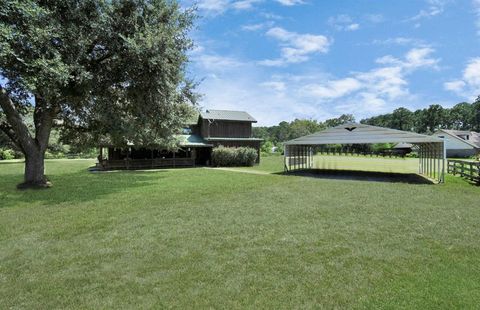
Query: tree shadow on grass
(354,175)
(74,187)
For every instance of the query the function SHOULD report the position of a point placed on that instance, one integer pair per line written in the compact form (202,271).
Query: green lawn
(206,238)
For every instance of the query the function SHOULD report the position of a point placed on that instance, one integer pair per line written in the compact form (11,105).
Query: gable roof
(474,136)
(354,133)
(226,115)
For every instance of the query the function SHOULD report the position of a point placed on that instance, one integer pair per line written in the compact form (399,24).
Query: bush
(266,147)
(7,154)
(233,156)
(50,155)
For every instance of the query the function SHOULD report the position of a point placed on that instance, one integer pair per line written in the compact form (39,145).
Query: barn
(211,129)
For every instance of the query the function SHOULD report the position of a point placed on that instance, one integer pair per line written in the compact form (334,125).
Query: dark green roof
(232,139)
(226,115)
(192,140)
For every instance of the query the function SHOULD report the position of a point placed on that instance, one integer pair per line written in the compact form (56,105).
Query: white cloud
(213,6)
(415,58)
(435,7)
(476,8)
(278,86)
(244,4)
(469,85)
(259,26)
(352,27)
(373,90)
(216,7)
(400,41)
(290,2)
(296,47)
(232,83)
(343,22)
(215,63)
(375,18)
(333,89)
(455,86)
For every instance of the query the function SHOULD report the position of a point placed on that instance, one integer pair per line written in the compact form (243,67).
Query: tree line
(462,116)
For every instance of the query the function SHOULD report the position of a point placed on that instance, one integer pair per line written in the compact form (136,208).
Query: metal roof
(226,115)
(354,133)
(474,137)
(192,141)
(231,139)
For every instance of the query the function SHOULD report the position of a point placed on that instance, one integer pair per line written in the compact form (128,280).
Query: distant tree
(344,118)
(434,117)
(460,116)
(261,132)
(475,119)
(113,71)
(302,127)
(402,119)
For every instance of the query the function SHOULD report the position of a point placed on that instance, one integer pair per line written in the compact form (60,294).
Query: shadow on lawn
(74,187)
(354,175)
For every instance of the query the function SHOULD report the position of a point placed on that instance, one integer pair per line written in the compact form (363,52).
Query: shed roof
(232,139)
(354,133)
(227,115)
(474,137)
(192,141)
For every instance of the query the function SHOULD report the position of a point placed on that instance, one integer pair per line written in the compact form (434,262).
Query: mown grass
(205,238)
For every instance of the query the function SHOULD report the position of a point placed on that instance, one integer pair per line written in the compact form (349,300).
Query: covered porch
(192,151)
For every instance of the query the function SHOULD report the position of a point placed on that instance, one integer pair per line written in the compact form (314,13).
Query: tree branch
(43,116)
(7,129)
(14,119)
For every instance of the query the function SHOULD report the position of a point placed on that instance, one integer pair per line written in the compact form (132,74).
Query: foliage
(110,71)
(266,147)
(232,240)
(233,156)
(7,154)
(463,116)
(285,131)
(377,147)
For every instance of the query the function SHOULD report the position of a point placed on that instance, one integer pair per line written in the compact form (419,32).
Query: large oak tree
(112,71)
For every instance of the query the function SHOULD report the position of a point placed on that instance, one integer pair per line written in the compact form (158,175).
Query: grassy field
(206,238)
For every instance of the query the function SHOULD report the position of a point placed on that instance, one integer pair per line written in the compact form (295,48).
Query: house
(459,143)
(211,129)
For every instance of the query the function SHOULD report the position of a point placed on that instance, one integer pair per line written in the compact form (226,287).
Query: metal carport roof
(354,133)
(298,153)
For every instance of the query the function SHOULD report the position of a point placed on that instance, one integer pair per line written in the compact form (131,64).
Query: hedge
(233,156)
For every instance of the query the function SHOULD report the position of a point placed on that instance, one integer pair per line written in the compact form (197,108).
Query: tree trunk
(34,171)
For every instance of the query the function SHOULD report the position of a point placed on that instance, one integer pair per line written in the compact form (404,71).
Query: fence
(147,163)
(467,169)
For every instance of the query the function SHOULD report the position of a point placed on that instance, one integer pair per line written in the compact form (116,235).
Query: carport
(299,152)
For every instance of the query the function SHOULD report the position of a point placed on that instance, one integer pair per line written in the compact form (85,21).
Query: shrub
(231,156)
(266,147)
(50,155)
(7,154)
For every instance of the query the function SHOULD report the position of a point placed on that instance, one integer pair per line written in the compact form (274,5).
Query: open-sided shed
(298,153)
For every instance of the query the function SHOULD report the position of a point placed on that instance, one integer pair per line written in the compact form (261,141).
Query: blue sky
(287,59)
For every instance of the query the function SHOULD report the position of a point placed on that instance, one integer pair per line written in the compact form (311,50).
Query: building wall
(461,153)
(455,147)
(225,129)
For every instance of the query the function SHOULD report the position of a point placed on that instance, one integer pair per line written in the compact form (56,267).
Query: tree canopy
(462,116)
(113,72)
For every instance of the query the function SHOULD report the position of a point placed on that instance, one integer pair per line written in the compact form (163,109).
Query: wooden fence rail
(466,169)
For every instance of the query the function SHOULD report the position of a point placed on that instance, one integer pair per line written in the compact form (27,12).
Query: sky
(285,59)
